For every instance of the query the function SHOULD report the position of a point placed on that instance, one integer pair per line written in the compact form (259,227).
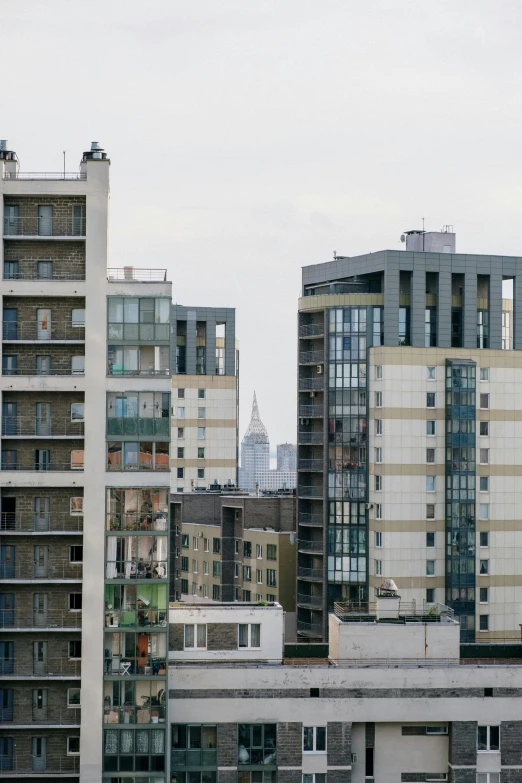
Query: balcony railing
(313,520)
(138,426)
(34,427)
(53,522)
(13,618)
(52,467)
(31,371)
(43,716)
(306,411)
(360,611)
(130,569)
(194,758)
(311,330)
(152,714)
(310,492)
(311,384)
(137,521)
(133,615)
(311,464)
(14,331)
(146,665)
(311,546)
(137,373)
(310,573)
(44,227)
(50,667)
(53,277)
(45,175)
(309,629)
(131,273)
(309,600)
(311,437)
(52,569)
(311,357)
(25,764)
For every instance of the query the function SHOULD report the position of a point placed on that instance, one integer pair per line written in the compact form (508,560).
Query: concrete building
(286,456)
(84,486)
(408,428)
(255,472)
(205,394)
(241,712)
(233,548)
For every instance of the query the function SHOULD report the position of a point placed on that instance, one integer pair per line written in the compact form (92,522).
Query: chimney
(9,159)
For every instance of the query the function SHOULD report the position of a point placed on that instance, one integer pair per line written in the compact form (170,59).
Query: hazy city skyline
(248,140)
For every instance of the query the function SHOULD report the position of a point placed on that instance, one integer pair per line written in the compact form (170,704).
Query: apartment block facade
(84,486)
(408,422)
(233,548)
(205,397)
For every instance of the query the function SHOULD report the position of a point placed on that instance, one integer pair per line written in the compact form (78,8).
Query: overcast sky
(249,138)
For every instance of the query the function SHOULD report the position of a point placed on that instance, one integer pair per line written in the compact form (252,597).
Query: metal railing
(137,521)
(44,716)
(45,175)
(53,569)
(50,667)
(311,437)
(126,273)
(309,600)
(31,371)
(311,357)
(53,522)
(139,373)
(196,758)
(147,665)
(311,330)
(119,715)
(35,427)
(24,764)
(133,615)
(13,618)
(138,425)
(311,629)
(310,518)
(51,467)
(311,384)
(310,464)
(12,331)
(310,546)
(43,278)
(310,573)
(311,410)
(310,492)
(130,569)
(361,611)
(44,227)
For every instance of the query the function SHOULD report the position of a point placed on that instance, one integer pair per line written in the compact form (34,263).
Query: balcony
(49,467)
(315,547)
(19,620)
(49,667)
(54,522)
(130,714)
(40,716)
(138,521)
(32,331)
(311,357)
(310,411)
(310,600)
(31,427)
(311,464)
(310,519)
(311,384)
(310,492)
(39,766)
(130,569)
(52,570)
(52,277)
(44,227)
(311,330)
(134,274)
(311,437)
(309,629)
(49,175)
(193,758)
(136,615)
(117,665)
(31,371)
(314,574)
(138,425)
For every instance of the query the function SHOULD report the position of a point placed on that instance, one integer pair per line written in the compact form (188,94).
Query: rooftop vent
(388,588)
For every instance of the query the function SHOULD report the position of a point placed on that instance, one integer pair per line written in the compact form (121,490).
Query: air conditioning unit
(312,394)
(319,369)
(436,729)
(237,514)
(354,758)
(304,421)
(369,506)
(200,535)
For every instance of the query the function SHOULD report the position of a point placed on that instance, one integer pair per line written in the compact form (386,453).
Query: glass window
(181,413)
(430,595)
(216,568)
(78,317)
(430,539)
(249,635)
(184,541)
(484,483)
(180,472)
(75,602)
(195,637)
(77,365)
(484,373)
(201,394)
(430,567)
(430,456)
(484,622)
(257,745)
(484,456)
(77,459)
(201,433)
(378,426)
(378,399)
(378,511)
(271,552)
(247,573)
(378,372)
(484,568)
(259,551)
(484,428)
(430,483)
(378,454)
(201,473)
(181,452)
(378,483)
(216,545)
(314,739)
(181,394)
(73,697)
(76,505)
(76,553)
(484,401)
(201,452)
(488,738)
(430,399)
(430,427)
(216,593)
(247,549)
(483,511)
(77,411)
(271,579)
(430,373)
(430,511)
(181,432)
(378,538)
(378,567)
(484,595)
(73,746)
(484,538)
(202,413)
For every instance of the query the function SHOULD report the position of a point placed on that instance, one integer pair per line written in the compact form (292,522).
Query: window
(484,456)
(76,505)
(378,399)
(378,372)
(216,568)
(484,374)
(270,597)
(184,586)
(378,511)
(180,472)
(206,545)
(194,566)
(378,426)
(259,576)
(181,432)
(181,394)
(430,567)
(75,649)
(236,546)
(44,270)
(201,452)
(78,318)
(73,746)
(271,579)
(181,413)
(216,545)
(247,549)
(430,456)
(483,511)
(484,568)
(484,428)
(11,270)
(181,452)
(378,483)
(488,738)
(430,510)
(184,541)
(430,373)
(247,573)
(184,564)
(77,411)
(75,602)
(271,552)
(484,538)
(430,428)
(195,543)
(205,590)
(205,568)
(378,538)
(76,553)
(488,777)
(77,365)
(249,635)
(484,622)
(430,539)
(314,739)
(236,570)
(484,595)
(378,455)
(201,433)
(202,413)
(378,568)
(77,459)
(430,595)
(73,697)
(430,483)
(257,745)
(259,551)
(430,399)
(216,593)
(484,483)
(201,394)
(195,637)
(484,402)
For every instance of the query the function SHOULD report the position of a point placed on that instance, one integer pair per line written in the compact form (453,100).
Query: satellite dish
(403,238)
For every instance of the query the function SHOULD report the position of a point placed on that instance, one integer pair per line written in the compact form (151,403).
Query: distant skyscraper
(255,470)
(286,456)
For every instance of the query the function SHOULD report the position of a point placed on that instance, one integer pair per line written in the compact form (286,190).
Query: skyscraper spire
(256,430)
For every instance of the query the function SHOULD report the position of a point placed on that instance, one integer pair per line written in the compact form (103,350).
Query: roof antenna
(335,254)
(423,224)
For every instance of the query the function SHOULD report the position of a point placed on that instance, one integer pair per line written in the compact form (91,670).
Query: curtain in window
(128,556)
(126,741)
(189,636)
(111,742)
(111,570)
(255,635)
(243,635)
(142,741)
(202,635)
(158,741)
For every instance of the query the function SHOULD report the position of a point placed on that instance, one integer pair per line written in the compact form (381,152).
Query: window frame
(431,396)
(323,741)
(488,748)
(195,636)
(248,646)
(70,752)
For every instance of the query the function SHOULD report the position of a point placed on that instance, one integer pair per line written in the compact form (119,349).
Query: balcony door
(6,657)
(42,459)
(6,704)
(9,418)
(6,754)
(7,604)
(43,418)
(41,514)
(12,220)
(43,324)
(8,513)
(45,220)
(41,562)
(10,323)
(39,754)
(40,604)
(7,561)
(40,704)
(39,658)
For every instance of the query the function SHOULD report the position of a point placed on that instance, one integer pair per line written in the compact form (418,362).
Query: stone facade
(339,776)
(56,749)
(339,743)
(289,744)
(68,258)
(463,743)
(56,651)
(222,636)
(61,451)
(176,637)
(227,745)
(511,744)
(60,412)
(61,316)
(62,220)
(60,357)
(28,557)
(462,776)
(59,501)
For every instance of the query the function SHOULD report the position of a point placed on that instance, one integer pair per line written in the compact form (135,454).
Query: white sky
(249,138)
